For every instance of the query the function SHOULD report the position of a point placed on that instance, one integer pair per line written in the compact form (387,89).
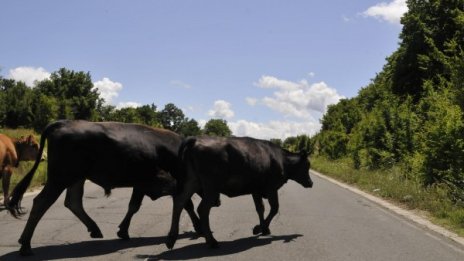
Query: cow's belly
(116,178)
(233,194)
(236,186)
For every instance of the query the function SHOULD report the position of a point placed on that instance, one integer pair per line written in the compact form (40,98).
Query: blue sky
(269,68)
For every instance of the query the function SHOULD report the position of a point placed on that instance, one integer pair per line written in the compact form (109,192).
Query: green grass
(24,166)
(396,186)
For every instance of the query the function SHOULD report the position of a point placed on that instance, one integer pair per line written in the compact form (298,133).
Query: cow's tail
(14,205)
(188,143)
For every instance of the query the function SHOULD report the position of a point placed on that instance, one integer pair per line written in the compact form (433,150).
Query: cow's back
(111,154)
(236,166)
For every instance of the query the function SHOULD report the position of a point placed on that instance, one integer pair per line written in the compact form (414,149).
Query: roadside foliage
(411,114)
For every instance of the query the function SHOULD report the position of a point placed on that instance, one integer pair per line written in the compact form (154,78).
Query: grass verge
(395,185)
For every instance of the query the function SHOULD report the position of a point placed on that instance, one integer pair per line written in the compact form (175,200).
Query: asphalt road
(323,223)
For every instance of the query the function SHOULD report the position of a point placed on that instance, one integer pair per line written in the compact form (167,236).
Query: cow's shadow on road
(199,250)
(91,248)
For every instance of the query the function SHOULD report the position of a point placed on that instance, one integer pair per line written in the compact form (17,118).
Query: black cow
(235,167)
(109,154)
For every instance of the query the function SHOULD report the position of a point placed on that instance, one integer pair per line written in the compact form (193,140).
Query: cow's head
(164,184)
(27,148)
(297,169)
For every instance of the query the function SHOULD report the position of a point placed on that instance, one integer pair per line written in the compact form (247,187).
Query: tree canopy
(68,94)
(411,114)
(217,127)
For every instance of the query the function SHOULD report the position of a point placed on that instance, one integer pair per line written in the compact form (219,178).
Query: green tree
(277,141)
(333,144)
(412,111)
(127,115)
(17,99)
(105,112)
(44,109)
(2,102)
(432,36)
(189,127)
(304,143)
(77,99)
(148,115)
(443,142)
(217,127)
(171,117)
(290,143)
(342,116)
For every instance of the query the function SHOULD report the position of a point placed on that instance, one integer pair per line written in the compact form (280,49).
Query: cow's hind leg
(193,216)
(260,228)
(41,204)
(73,202)
(6,174)
(134,206)
(180,201)
(208,201)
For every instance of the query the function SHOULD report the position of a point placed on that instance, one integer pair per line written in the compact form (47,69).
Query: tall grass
(397,186)
(24,166)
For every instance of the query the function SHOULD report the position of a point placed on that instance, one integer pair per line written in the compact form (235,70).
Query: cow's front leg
(134,206)
(274,203)
(260,228)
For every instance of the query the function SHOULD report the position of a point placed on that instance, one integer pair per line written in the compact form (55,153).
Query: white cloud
(251,101)
(298,99)
(108,89)
(28,75)
(222,110)
(390,12)
(273,129)
(346,19)
(272,82)
(180,84)
(128,104)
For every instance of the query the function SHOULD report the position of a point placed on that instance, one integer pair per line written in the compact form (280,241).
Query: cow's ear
(30,139)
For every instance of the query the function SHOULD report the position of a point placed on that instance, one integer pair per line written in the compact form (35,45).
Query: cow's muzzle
(308,184)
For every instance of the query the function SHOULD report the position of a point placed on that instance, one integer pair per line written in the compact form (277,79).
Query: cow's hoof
(25,250)
(257,230)
(213,243)
(197,228)
(123,235)
(266,232)
(171,241)
(96,234)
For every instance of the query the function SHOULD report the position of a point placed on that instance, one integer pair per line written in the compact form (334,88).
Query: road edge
(396,209)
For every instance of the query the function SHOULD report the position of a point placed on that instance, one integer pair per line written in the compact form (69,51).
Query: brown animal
(12,151)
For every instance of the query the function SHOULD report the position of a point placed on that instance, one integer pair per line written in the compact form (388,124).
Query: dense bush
(412,113)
